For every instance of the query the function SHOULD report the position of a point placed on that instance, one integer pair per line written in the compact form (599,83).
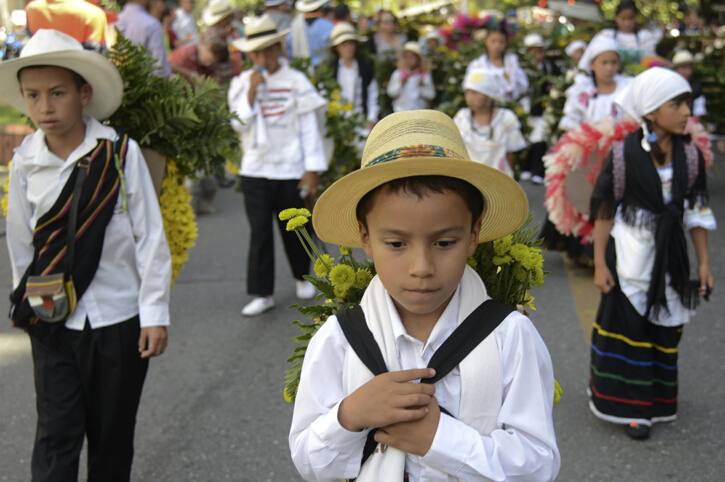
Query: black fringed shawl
(643,205)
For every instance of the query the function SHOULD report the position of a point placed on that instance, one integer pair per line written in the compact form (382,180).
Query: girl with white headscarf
(650,191)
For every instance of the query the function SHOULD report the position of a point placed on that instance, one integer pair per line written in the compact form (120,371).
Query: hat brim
(260,43)
(99,72)
(505,203)
(346,37)
(310,7)
(210,18)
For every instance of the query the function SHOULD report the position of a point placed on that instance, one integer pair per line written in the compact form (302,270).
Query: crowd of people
(430,187)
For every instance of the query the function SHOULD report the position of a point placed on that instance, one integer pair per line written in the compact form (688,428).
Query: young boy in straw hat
(283,155)
(419,206)
(411,86)
(89,367)
(684,64)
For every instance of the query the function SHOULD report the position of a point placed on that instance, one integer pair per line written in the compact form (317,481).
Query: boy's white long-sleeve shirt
(134,273)
(523,448)
(279,133)
(412,95)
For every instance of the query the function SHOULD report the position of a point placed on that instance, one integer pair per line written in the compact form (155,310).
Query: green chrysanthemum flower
(345,251)
(534,259)
(296,223)
(323,265)
(341,292)
(501,260)
(520,274)
(519,251)
(501,246)
(342,276)
(288,214)
(362,278)
(539,276)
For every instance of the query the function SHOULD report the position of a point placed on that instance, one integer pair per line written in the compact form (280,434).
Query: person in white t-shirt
(283,155)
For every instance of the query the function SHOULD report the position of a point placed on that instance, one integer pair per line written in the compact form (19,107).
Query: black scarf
(97,203)
(643,194)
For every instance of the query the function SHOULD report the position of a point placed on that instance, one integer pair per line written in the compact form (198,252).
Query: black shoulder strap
(464,339)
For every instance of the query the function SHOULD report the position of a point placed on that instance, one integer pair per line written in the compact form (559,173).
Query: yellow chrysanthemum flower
(519,251)
(6,189)
(288,214)
(558,392)
(342,276)
(296,223)
(347,107)
(538,276)
(501,246)
(341,292)
(323,265)
(345,251)
(500,260)
(179,224)
(362,278)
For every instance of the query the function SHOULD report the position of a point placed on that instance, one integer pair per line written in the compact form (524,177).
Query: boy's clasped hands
(406,412)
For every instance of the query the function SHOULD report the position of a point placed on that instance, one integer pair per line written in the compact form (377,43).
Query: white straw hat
(418,143)
(53,48)
(413,47)
(261,32)
(305,6)
(215,11)
(682,57)
(342,32)
(533,40)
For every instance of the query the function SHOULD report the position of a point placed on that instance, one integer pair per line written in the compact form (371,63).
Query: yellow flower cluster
(323,265)
(179,224)
(296,218)
(336,106)
(342,277)
(6,188)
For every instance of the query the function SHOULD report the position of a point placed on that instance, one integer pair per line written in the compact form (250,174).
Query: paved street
(213,409)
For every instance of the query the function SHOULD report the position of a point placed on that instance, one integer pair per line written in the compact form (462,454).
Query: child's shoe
(538,180)
(258,306)
(305,290)
(525,176)
(637,431)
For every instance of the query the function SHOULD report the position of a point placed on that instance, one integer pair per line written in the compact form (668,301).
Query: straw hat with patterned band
(261,32)
(216,11)
(417,143)
(683,57)
(342,32)
(56,49)
(305,6)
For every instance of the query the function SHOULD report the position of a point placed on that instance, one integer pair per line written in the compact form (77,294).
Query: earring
(652,137)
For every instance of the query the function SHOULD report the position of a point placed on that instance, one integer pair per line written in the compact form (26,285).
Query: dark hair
(627,5)
(77,78)
(218,47)
(341,11)
(657,151)
(501,28)
(381,12)
(421,186)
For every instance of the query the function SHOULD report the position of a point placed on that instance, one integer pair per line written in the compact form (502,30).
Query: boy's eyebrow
(26,89)
(440,232)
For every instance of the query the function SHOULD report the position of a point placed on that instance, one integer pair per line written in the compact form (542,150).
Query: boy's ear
(475,232)
(365,240)
(86,94)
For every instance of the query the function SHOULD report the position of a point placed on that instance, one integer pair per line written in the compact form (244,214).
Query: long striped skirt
(633,372)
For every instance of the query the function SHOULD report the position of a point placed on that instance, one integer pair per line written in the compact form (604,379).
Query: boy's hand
(310,179)
(603,278)
(706,278)
(387,399)
(412,437)
(254,80)
(152,341)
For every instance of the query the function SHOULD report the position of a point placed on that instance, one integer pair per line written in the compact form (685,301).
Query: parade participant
(184,25)
(651,189)
(533,168)
(90,358)
(310,34)
(279,12)
(199,60)
(274,102)
(387,42)
(683,63)
(491,134)
(575,50)
(411,87)
(79,19)
(634,42)
(431,42)
(142,28)
(506,64)
(417,209)
(355,75)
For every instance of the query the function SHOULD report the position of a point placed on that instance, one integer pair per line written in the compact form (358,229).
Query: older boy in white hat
(411,86)
(283,155)
(76,176)
(418,207)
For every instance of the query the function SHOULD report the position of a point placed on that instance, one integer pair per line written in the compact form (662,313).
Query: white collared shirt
(523,448)
(134,273)
(351,87)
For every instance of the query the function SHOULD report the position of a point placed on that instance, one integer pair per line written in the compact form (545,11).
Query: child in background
(355,75)
(417,209)
(634,42)
(411,87)
(575,50)
(533,168)
(197,60)
(283,156)
(683,63)
(491,134)
(650,191)
(506,64)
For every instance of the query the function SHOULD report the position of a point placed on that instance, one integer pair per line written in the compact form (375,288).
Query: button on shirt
(143,29)
(522,449)
(134,273)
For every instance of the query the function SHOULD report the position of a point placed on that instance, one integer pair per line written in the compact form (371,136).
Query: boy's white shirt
(351,87)
(521,447)
(412,95)
(279,133)
(134,274)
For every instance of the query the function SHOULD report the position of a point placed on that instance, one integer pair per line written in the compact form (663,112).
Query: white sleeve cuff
(154,315)
(329,436)
(451,446)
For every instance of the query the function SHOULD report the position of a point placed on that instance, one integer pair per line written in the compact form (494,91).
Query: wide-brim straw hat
(418,143)
(342,32)
(216,11)
(56,49)
(683,57)
(305,6)
(261,32)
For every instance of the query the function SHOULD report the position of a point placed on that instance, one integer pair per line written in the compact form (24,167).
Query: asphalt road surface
(213,410)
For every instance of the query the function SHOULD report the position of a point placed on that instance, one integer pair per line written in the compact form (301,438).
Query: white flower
(709,50)
(699,57)
(453,80)
(457,65)
(719,43)
(570,74)
(555,94)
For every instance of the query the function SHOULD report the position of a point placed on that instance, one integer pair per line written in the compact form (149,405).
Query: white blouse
(585,104)
(516,81)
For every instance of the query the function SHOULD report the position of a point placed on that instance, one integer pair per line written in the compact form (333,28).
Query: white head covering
(648,92)
(485,81)
(574,46)
(598,45)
